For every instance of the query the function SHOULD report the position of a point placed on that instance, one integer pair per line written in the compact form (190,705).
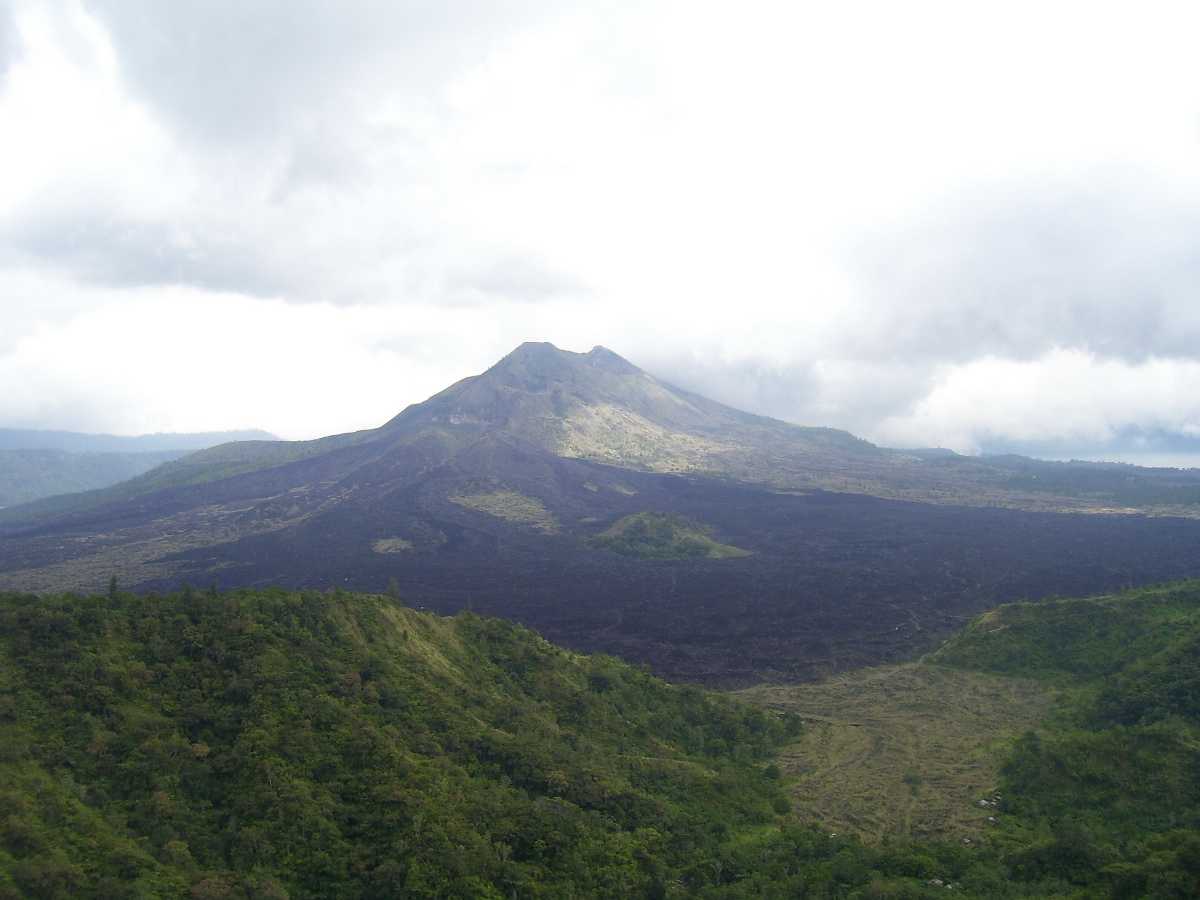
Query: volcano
(612,511)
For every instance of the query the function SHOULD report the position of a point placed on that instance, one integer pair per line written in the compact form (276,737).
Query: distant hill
(27,475)
(582,496)
(37,464)
(78,442)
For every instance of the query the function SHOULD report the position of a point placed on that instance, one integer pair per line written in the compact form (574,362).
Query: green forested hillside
(317,745)
(271,744)
(1049,750)
(1104,799)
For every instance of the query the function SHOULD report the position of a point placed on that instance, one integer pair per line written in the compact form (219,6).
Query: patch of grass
(902,751)
(651,535)
(617,436)
(392,545)
(512,507)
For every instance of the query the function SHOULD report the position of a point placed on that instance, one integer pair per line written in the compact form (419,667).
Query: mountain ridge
(598,406)
(537,383)
(85,442)
(39,464)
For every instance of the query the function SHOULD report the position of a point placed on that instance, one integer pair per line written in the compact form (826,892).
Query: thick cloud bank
(931,223)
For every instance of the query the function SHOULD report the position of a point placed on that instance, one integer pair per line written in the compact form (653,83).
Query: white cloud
(847,214)
(179,359)
(1066,395)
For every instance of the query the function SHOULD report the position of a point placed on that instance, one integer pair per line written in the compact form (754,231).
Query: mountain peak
(602,358)
(544,362)
(598,405)
(534,350)
(533,364)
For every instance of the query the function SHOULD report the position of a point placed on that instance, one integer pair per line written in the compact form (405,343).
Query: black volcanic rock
(490,495)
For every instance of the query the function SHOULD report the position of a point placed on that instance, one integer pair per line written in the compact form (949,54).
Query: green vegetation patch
(392,545)
(1074,639)
(653,535)
(512,507)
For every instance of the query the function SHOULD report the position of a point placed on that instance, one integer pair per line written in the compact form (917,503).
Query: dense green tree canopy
(336,745)
(270,744)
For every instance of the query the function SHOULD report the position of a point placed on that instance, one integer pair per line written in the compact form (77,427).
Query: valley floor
(902,751)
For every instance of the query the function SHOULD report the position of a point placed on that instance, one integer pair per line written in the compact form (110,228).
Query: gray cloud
(281,179)
(105,249)
(781,391)
(509,278)
(9,45)
(232,71)
(1018,271)
(1127,442)
(110,251)
(1112,269)
(441,180)
(804,392)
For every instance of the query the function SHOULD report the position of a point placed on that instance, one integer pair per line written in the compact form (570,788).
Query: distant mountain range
(1133,444)
(577,493)
(37,464)
(167,442)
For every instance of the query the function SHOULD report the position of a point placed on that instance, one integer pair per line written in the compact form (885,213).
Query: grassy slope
(651,535)
(512,506)
(902,751)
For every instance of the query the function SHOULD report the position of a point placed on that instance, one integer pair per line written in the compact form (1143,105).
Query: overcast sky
(962,224)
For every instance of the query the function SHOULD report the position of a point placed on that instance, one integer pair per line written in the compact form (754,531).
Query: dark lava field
(491,496)
(834,581)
